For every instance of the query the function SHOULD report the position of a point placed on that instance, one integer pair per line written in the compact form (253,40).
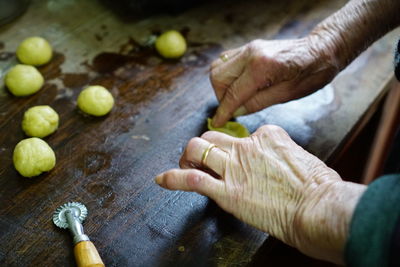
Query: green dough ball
(171,44)
(231,128)
(23,80)
(95,100)
(40,121)
(34,51)
(33,156)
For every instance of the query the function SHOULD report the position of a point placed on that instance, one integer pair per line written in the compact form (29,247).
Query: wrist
(323,220)
(325,47)
(322,54)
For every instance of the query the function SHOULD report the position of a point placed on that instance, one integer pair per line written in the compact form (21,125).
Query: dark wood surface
(109,163)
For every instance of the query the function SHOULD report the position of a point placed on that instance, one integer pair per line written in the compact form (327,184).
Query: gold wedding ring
(205,154)
(224,57)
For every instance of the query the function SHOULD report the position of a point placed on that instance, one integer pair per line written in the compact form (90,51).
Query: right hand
(263,73)
(271,183)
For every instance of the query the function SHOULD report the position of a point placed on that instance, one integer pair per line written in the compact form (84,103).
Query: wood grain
(109,163)
(86,255)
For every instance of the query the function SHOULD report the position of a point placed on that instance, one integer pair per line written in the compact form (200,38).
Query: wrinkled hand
(271,183)
(263,73)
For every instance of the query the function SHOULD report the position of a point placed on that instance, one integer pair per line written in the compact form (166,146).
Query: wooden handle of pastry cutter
(86,255)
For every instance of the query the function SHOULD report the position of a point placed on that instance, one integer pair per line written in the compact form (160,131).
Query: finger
(236,95)
(264,98)
(193,181)
(286,91)
(193,156)
(221,140)
(229,53)
(225,74)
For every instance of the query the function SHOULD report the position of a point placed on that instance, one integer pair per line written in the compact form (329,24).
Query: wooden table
(109,163)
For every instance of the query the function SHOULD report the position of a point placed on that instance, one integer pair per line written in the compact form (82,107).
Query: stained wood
(109,163)
(86,255)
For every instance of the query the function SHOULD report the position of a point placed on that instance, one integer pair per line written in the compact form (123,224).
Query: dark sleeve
(395,246)
(374,229)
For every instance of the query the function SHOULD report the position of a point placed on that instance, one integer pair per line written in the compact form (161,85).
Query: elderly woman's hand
(270,182)
(262,73)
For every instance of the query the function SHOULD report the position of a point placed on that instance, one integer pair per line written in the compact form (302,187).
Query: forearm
(345,34)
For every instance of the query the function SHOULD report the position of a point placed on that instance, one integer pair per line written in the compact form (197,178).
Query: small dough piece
(23,80)
(171,44)
(40,121)
(95,100)
(34,51)
(33,156)
(231,128)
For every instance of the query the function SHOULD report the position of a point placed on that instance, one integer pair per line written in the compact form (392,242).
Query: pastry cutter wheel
(71,215)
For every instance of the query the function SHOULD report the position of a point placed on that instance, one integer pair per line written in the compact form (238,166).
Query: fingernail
(158,180)
(240,112)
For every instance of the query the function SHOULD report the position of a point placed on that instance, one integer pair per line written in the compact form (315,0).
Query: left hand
(267,72)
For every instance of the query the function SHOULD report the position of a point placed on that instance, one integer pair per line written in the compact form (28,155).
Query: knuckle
(214,75)
(255,53)
(192,146)
(214,64)
(174,172)
(264,128)
(254,45)
(276,129)
(169,181)
(194,180)
(271,129)
(218,85)
(217,82)
(207,134)
(231,96)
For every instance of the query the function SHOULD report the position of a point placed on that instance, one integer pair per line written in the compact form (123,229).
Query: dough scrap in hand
(34,51)
(33,156)
(40,121)
(95,100)
(171,44)
(231,128)
(23,80)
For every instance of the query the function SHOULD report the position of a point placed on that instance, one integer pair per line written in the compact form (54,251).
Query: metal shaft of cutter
(75,227)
